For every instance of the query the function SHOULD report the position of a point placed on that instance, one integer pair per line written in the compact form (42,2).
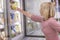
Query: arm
(37,18)
(33,17)
(25,13)
(54,24)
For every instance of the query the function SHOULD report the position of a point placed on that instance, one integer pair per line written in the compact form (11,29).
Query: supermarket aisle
(33,38)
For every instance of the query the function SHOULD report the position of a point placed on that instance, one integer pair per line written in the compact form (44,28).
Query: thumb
(53,3)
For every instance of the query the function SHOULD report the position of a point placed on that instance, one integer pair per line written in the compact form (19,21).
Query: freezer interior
(2,27)
(33,28)
(33,6)
(15,18)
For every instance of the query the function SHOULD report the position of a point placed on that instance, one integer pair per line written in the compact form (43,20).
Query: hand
(24,12)
(18,9)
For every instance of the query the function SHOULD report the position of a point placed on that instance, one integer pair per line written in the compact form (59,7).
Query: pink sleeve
(54,24)
(37,18)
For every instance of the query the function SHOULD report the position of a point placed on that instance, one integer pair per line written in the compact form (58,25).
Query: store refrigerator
(33,28)
(15,19)
(3,21)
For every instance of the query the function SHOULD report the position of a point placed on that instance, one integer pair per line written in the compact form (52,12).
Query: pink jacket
(50,27)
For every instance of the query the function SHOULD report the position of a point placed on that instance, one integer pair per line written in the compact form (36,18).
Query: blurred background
(16,26)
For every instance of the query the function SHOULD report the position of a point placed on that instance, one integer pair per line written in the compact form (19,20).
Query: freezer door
(3,21)
(15,18)
(33,6)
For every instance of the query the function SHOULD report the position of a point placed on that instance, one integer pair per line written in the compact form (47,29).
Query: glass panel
(2,27)
(15,18)
(1,5)
(33,6)
(57,10)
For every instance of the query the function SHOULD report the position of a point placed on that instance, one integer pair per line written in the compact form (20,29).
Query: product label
(12,15)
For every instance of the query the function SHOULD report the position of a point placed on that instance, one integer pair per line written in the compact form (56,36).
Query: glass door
(15,18)
(57,10)
(33,28)
(3,23)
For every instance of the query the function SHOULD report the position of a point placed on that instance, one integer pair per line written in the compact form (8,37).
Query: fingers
(18,9)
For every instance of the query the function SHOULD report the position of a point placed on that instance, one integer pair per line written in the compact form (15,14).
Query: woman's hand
(24,12)
(19,9)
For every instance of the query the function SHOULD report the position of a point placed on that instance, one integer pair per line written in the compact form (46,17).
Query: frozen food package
(14,5)
(14,17)
(2,35)
(17,17)
(11,17)
(1,19)
(16,29)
